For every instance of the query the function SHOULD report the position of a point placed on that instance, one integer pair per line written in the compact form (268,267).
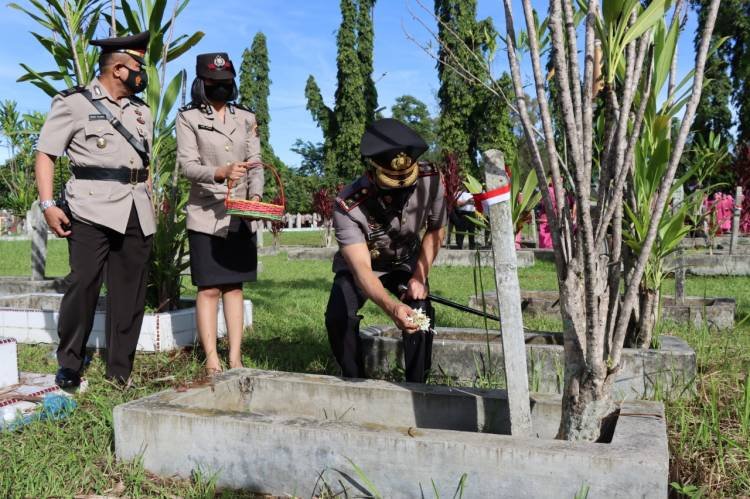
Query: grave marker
(498,209)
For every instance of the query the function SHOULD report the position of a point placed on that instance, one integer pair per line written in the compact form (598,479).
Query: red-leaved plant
(323,200)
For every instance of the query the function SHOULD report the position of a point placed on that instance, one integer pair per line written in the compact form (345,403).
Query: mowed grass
(709,435)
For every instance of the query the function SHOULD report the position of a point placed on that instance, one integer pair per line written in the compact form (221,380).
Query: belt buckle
(133,176)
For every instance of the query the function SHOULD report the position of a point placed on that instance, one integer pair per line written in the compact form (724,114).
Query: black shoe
(67,378)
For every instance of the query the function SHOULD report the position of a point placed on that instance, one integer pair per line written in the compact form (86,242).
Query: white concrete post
(298,220)
(259,233)
(508,296)
(738,197)
(38,233)
(534,230)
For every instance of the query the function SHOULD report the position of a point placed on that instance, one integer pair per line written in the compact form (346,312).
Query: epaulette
(72,90)
(353,196)
(427,169)
(138,100)
(244,108)
(189,106)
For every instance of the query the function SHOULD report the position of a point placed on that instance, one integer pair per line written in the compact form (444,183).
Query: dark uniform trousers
(125,255)
(342,322)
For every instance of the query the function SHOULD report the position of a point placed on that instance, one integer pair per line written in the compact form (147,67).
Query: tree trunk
(586,400)
(328,234)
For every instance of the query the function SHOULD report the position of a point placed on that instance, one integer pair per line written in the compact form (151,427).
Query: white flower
(420,319)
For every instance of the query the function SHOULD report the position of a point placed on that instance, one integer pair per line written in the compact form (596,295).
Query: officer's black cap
(386,138)
(133,45)
(214,66)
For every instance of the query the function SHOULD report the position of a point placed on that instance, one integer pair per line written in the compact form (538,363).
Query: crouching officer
(106,133)
(378,220)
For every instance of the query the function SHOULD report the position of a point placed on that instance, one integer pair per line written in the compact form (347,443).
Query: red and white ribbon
(484,200)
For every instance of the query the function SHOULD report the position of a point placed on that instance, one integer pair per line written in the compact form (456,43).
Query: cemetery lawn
(709,435)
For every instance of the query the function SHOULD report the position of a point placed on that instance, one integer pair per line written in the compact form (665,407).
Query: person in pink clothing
(545,235)
(725,209)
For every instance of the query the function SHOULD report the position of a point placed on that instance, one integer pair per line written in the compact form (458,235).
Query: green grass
(709,436)
(296,238)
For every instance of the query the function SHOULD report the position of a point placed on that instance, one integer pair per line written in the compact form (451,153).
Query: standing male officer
(378,220)
(106,132)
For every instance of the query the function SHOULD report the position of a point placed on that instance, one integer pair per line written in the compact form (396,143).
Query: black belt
(122,174)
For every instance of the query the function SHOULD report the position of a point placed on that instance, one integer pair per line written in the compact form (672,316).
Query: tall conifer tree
(343,125)
(255,88)
(471,117)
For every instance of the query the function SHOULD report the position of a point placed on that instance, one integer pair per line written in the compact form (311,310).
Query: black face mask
(136,80)
(397,197)
(221,92)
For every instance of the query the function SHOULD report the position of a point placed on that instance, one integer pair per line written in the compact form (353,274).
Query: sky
(301,36)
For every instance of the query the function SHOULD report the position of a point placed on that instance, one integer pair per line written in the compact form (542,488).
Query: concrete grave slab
(32,318)
(24,285)
(8,362)
(716,313)
(446,257)
(282,433)
(461,355)
(713,265)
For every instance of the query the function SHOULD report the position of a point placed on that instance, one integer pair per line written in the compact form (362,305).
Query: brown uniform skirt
(217,261)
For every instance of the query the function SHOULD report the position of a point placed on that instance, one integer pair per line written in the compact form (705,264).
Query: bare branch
(666,184)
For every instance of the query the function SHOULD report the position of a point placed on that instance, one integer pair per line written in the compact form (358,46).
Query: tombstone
(259,234)
(680,272)
(298,220)
(37,227)
(289,221)
(497,208)
(534,231)
(738,198)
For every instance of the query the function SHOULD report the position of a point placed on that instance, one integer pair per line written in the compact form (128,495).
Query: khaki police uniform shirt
(76,128)
(358,218)
(204,143)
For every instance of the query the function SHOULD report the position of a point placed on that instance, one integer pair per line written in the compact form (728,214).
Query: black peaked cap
(214,66)
(384,139)
(133,45)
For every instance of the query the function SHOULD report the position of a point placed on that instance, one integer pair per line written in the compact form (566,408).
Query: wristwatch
(47,203)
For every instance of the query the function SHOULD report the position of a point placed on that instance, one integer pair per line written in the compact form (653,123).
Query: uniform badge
(97,117)
(219,62)
(97,90)
(374,253)
(205,127)
(101,142)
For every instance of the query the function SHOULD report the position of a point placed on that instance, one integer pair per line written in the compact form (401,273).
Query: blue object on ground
(54,407)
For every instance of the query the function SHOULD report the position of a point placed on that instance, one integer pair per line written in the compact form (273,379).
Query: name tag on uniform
(97,117)
(375,233)
(205,127)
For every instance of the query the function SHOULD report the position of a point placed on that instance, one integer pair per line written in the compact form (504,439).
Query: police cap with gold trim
(393,147)
(133,45)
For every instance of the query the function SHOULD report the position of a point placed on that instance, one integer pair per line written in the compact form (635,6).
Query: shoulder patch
(353,196)
(72,90)
(427,169)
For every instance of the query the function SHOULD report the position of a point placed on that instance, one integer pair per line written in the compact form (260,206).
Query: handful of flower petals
(420,319)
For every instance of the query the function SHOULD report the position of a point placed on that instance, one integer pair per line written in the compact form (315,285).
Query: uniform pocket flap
(99,129)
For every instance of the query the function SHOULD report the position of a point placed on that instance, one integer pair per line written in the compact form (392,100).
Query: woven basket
(256,210)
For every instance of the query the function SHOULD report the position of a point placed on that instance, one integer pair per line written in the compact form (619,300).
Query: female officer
(217,141)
